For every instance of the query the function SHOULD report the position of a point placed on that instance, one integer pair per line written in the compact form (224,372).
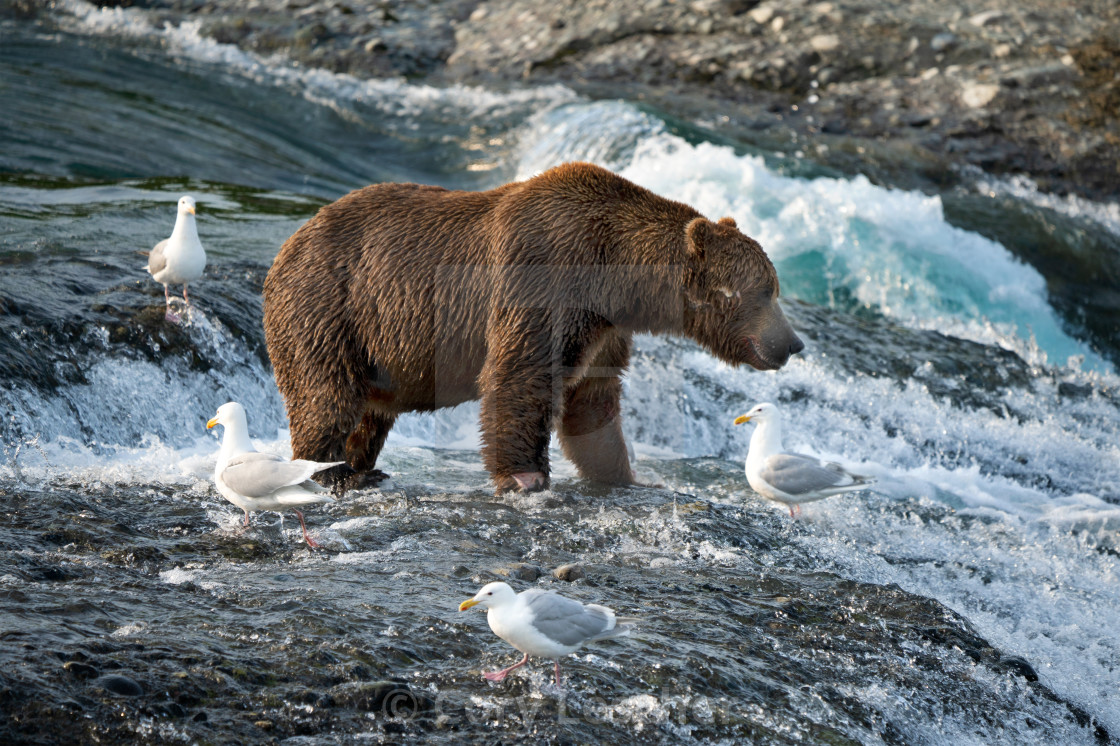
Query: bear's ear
(729,222)
(699,233)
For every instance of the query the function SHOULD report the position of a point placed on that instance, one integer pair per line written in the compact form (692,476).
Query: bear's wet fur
(401,298)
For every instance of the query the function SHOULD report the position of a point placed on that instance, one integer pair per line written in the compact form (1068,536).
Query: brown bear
(402,298)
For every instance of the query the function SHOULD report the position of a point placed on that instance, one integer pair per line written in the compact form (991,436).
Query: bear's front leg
(517,387)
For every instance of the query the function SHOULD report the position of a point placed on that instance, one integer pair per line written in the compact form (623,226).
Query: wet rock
(525,572)
(1019,666)
(83,671)
(825,42)
(569,573)
(392,699)
(118,684)
(762,15)
(941,42)
(988,18)
(1056,73)
(51,573)
(167,710)
(978,95)
(692,507)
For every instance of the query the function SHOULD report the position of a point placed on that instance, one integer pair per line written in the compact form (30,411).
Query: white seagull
(790,478)
(253,481)
(543,623)
(180,258)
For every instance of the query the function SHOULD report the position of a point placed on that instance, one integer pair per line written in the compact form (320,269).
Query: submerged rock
(523,571)
(81,670)
(569,573)
(118,684)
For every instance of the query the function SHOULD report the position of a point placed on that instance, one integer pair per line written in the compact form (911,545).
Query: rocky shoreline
(1025,87)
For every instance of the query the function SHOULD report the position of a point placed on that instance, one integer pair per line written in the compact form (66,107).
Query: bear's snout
(796,345)
(774,341)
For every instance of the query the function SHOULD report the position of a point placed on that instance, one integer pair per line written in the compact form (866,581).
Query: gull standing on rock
(253,481)
(543,623)
(790,478)
(180,258)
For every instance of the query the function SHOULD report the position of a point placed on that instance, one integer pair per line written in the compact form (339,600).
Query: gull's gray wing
(156,260)
(566,620)
(259,474)
(798,475)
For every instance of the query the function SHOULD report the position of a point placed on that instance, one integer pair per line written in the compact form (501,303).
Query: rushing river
(955,351)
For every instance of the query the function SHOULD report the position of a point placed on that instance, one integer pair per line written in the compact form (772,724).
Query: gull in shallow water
(790,478)
(253,481)
(543,623)
(180,258)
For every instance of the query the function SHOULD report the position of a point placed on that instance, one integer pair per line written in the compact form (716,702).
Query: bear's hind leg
(590,428)
(590,431)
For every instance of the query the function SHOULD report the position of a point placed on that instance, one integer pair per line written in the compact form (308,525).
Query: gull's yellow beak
(467,604)
(190,210)
(741,419)
(211,422)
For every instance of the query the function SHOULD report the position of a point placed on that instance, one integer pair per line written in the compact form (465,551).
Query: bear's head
(731,298)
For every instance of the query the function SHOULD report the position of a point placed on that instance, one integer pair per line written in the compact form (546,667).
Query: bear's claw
(342,479)
(531,481)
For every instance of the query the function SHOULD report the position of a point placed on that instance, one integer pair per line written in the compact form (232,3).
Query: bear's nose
(796,346)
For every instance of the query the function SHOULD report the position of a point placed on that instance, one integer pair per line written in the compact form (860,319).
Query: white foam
(130,630)
(1035,587)
(1105,214)
(455,428)
(178,576)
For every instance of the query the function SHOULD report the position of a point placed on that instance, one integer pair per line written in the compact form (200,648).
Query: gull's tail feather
(317,466)
(623,626)
(304,493)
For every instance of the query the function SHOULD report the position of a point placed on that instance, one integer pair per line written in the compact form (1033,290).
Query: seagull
(180,258)
(252,480)
(790,478)
(544,623)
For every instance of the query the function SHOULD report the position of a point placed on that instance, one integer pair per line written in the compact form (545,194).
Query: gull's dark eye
(490,593)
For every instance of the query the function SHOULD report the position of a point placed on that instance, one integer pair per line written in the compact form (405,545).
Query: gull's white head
(491,595)
(186,205)
(229,414)
(765,412)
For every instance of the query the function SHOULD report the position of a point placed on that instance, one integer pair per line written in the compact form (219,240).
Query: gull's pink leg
(499,675)
(168,314)
(310,542)
(188,300)
(246,519)
(557,672)
(791,515)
